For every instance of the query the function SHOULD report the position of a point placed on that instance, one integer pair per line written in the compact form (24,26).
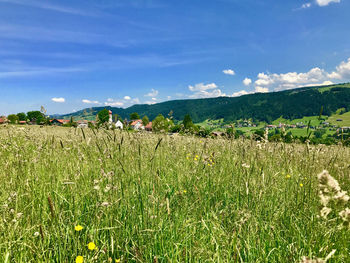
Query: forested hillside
(290,104)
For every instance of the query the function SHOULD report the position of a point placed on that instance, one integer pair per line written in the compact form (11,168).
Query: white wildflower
(345,215)
(325,211)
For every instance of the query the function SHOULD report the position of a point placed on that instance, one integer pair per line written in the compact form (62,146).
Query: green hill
(290,104)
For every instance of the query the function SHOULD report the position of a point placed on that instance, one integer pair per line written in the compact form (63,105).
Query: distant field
(142,197)
(344,117)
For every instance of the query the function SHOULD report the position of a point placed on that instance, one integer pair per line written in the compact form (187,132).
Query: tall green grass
(155,198)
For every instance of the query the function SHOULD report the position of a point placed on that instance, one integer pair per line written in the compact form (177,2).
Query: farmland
(142,197)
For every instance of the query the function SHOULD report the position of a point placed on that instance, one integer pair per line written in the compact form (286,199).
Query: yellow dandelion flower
(301,185)
(195,159)
(185,191)
(78,228)
(288,176)
(91,246)
(117,260)
(79,259)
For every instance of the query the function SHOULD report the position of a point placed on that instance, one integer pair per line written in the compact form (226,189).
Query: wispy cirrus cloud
(48,6)
(32,71)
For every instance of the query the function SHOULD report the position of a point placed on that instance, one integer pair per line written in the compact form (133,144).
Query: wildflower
(19,215)
(185,191)
(330,189)
(36,234)
(117,260)
(345,215)
(301,185)
(96,187)
(195,159)
(78,228)
(79,259)
(108,187)
(245,165)
(91,246)
(325,212)
(288,176)
(105,204)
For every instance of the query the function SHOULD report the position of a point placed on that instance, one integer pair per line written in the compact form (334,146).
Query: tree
(22,116)
(187,122)
(134,116)
(72,123)
(145,120)
(161,124)
(13,118)
(36,116)
(103,116)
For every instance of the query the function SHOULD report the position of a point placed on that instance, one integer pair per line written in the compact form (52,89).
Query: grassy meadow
(143,197)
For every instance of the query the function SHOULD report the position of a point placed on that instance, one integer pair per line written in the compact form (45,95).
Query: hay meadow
(82,195)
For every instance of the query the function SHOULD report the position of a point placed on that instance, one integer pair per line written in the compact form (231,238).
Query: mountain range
(289,104)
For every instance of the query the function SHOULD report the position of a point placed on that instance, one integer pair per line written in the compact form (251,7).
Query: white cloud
(306,5)
(247,81)
(202,87)
(135,100)
(259,89)
(240,93)
(59,100)
(289,80)
(110,100)
(154,98)
(201,90)
(150,102)
(326,2)
(153,93)
(168,97)
(114,104)
(342,71)
(90,101)
(229,72)
(127,98)
(314,77)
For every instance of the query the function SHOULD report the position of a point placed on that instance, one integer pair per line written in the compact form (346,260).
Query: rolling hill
(290,104)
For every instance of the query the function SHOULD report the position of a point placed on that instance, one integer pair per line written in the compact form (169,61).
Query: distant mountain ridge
(290,104)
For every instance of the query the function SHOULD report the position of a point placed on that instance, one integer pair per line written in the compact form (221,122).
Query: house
(82,124)
(119,125)
(217,133)
(22,122)
(137,125)
(58,122)
(3,120)
(148,127)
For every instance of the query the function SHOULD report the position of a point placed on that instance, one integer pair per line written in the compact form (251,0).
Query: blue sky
(70,55)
